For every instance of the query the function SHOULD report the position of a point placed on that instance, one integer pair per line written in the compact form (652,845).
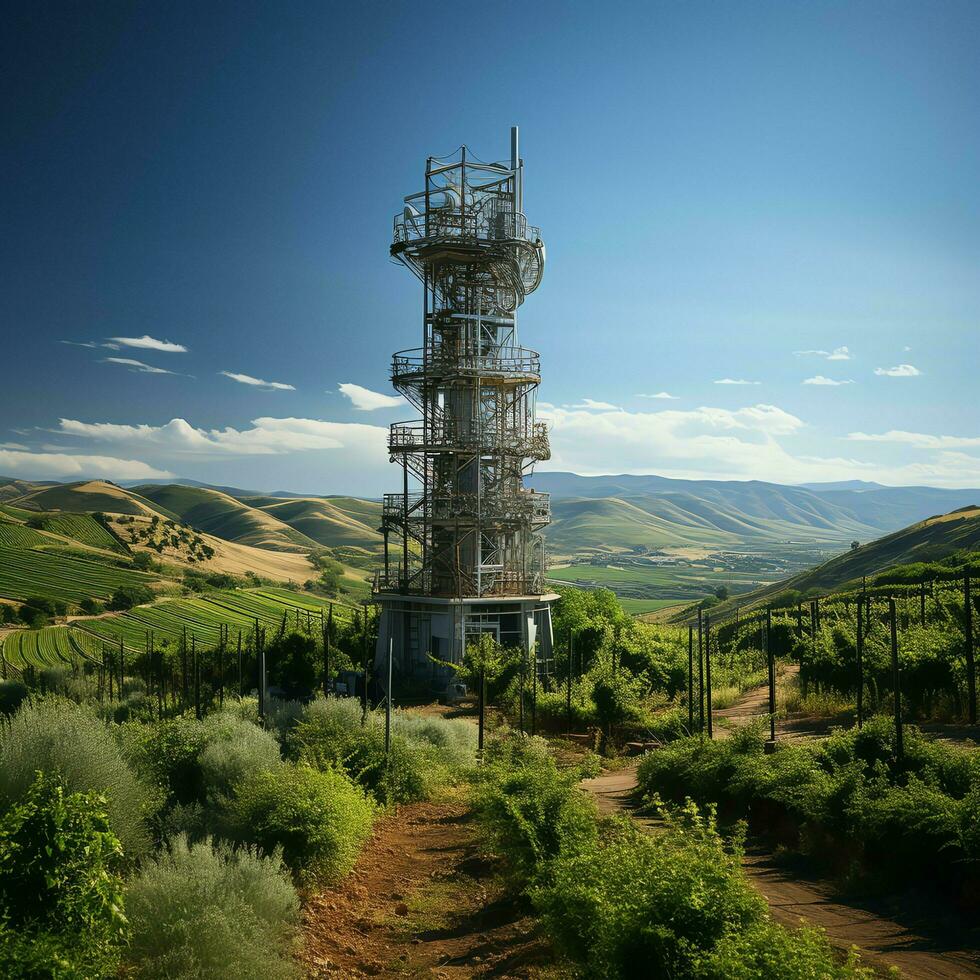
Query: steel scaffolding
(464,527)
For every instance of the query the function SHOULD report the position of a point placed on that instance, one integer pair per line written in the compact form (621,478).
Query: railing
(480,223)
(530,441)
(496,508)
(503,361)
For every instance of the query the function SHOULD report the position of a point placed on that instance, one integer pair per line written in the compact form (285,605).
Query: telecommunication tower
(463,550)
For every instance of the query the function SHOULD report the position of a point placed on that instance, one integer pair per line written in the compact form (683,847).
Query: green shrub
(233,751)
(60,893)
(127,596)
(68,741)
(205,910)
(319,819)
(426,753)
(12,693)
(530,810)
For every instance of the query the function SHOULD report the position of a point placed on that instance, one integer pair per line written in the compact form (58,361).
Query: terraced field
(19,536)
(83,528)
(51,646)
(201,616)
(24,574)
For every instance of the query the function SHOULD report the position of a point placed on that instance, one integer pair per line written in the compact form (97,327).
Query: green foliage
(235,748)
(294,663)
(613,897)
(127,596)
(61,910)
(205,910)
(426,753)
(319,818)
(69,742)
(916,813)
(12,693)
(531,811)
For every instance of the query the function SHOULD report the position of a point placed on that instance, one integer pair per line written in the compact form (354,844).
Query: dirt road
(917,949)
(422,902)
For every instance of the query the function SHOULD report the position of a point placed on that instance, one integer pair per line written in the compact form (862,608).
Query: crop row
(24,574)
(20,536)
(83,528)
(48,647)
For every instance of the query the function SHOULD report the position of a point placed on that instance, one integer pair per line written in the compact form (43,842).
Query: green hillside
(330,521)
(226,517)
(928,541)
(89,497)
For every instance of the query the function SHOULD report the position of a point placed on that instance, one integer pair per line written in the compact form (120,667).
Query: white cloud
(819,379)
(660,394)
(247,379)
(60,465)
(736,381)
(150,343)
(13,445)
(917,440)
(899,371)
(138,365)
(366,400)
(837,354)
(906,349)
(267,437)
(723,444)
(591,405)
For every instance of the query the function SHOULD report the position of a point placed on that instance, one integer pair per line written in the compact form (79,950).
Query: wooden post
(568,697)
(391,643)
(700,670)
(482,709)
(707,671)
(260,664)
(221,667)
(239,664)
(183,670)
(860,661)
(771,666)
(690,680)
(364,665)
(971,675)
(122,665)
(533,657)
(196,668)
(922,604)
(896,681)
(326,650)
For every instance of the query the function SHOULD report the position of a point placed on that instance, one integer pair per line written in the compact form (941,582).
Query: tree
(127,596)
(855,545)
(722,592)
(294,663)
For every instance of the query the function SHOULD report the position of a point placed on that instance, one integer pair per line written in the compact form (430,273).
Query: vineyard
(83,528)
(206,619)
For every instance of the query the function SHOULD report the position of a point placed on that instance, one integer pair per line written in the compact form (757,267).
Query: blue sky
(720,186)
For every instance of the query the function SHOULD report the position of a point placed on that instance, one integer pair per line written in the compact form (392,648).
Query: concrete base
(424,630)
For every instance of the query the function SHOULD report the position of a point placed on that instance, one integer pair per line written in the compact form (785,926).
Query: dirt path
(884,941)
(422,902)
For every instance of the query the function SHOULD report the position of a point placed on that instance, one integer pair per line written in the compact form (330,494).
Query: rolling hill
(926,541)
(608,513)
(330,521)
(88,497)
(226,517)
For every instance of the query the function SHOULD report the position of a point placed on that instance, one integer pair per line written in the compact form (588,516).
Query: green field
(24,574)
(20,536)
(201,616)
(83,528)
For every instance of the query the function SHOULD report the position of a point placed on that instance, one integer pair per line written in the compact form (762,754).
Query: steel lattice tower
(469,554)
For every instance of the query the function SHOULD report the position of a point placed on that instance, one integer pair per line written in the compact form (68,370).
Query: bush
(530,810)
(69,742)
(426,753)
(60,892)
(319,819)
(235,750)
(127,596)
(205,910)
(12,693)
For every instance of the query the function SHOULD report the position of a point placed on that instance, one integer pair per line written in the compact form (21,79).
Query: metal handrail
(503,361)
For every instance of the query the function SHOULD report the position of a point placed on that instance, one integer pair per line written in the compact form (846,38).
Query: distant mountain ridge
(605,513)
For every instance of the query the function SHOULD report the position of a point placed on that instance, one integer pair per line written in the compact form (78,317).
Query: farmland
(25,573)
(201,618)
